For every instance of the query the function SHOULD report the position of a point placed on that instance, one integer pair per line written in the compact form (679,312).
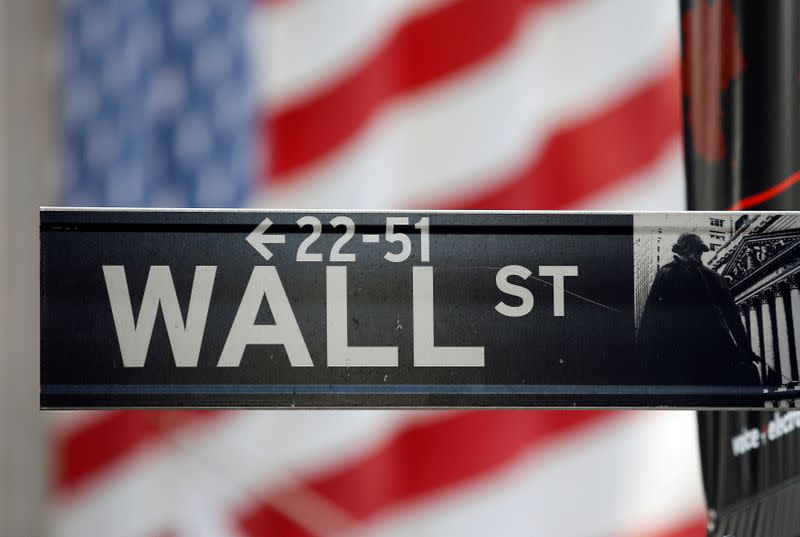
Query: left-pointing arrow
(258,239)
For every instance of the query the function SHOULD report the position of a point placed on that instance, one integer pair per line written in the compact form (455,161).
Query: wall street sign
(202,308)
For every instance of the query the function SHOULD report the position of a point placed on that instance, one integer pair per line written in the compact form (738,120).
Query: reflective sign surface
(328,309)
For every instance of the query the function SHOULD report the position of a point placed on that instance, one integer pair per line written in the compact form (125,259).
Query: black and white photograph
(717,299)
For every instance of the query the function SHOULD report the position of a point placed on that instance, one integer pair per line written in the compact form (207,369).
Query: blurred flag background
(376,104)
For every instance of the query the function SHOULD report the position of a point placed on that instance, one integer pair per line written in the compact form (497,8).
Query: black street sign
(176,308)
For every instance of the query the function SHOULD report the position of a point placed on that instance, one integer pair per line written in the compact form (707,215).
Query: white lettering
(558,272)
(514,290)
(747,440)
(134,337)
(340,354)
(265,282)
(426,354)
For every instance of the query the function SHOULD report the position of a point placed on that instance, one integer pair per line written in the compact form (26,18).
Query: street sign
(202,308)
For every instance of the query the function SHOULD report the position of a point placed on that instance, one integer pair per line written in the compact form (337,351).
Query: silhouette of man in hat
(691,332)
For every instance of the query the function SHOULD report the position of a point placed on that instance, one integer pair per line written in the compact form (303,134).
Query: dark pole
(741,103)
(741,111)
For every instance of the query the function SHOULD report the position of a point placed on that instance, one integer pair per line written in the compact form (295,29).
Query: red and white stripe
(472,104)
(486,104)
(388,473)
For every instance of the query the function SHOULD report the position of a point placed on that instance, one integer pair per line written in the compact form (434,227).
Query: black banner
(238,308)
(741,103)
(751,472)
(741,86)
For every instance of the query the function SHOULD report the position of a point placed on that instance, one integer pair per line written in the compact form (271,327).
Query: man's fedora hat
(689,243)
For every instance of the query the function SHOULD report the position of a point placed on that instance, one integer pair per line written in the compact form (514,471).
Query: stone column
(794,303)
(782,326)
(755,343)
(743,315)
(766,327)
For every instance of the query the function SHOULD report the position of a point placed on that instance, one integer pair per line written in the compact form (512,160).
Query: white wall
(3,255)
(26,154)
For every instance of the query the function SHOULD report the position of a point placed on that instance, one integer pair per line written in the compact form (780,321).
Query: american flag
(477,104)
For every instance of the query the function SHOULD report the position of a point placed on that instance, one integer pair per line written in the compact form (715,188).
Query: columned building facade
(761,262)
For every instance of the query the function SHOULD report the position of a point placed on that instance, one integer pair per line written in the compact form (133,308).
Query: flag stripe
(276,446)
(599,479)
(268,520)
(593,153)
(632,450)
(62,422)
(409,60)
(288,70)
(649,189)
(424,459)
(693,527)
(89,450)
(473,131)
